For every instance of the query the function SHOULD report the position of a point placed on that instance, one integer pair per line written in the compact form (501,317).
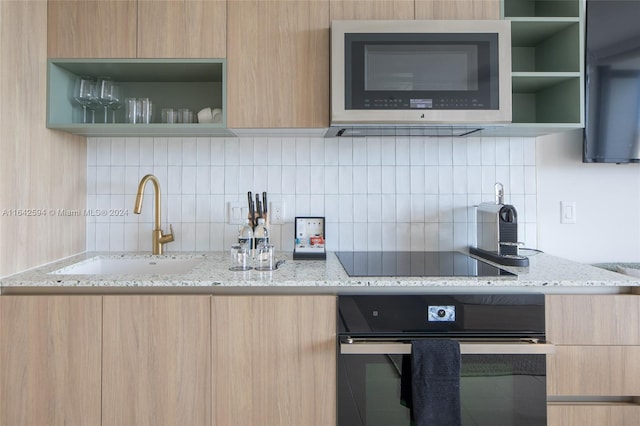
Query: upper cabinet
(372,9)
(278,62)
(182,29)
(547,39)
(142,29)
(457,9)
(91,29)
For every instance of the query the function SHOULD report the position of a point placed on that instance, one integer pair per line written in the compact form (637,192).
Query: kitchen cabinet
(91,29)
(156,360)
(50,352)
(274,360)
(594,414)
(597,356)
(372,9)
(182,29)
(169,83)
(278,59)
(131,28)
(457,9)
(547,39)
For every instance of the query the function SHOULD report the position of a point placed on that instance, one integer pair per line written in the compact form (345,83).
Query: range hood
(355,130)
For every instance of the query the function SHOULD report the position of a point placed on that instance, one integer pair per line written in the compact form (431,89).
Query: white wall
(607,200)
(375,193)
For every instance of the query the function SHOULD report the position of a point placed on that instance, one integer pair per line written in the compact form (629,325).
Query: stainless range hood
(354,130)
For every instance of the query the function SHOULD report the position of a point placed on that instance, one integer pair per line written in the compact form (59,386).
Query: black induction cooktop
(416,264)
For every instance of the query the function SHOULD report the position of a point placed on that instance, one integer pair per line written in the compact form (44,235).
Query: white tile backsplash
(375,193)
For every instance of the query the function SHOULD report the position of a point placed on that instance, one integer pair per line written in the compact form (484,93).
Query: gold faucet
(158,237)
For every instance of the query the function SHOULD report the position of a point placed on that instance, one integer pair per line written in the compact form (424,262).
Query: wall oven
(420,72)
(502,352)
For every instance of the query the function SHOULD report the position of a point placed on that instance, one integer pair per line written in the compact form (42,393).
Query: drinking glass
(85,94)
(116,101)
(105,93)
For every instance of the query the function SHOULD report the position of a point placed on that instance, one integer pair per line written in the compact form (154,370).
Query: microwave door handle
(476,348)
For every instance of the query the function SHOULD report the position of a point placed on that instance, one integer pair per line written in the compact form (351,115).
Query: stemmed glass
(85,94)
(116,101)
(105,93)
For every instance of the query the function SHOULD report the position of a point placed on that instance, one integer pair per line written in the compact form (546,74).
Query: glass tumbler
(240,257)
(265,257)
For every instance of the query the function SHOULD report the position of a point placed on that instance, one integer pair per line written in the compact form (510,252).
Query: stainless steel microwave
(420,72)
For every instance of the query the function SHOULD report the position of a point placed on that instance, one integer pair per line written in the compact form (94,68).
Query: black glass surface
(416,264)
(612,91)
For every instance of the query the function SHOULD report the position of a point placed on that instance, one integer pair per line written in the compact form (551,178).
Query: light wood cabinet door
(593,319)
(593,414)
(91,29)
(182,29)
(156,360)
(457,9)
(50,352)
(372,9)
(278,64)
(274,360)
(594,371)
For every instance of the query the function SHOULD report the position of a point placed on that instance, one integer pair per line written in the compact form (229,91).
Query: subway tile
(396,192)
(359,151)
(160,152)
(360,180)
(118,157)
(189,151)
(331,152)
(288,152)
(174,152)
(316,151)
(245,152)
(303,152)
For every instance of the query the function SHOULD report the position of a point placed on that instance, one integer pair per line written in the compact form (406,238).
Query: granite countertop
(299,276)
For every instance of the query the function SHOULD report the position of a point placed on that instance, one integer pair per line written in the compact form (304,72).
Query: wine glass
(84,93)
(116,101)
(105,93)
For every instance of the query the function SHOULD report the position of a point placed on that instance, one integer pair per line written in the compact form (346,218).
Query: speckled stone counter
(546,273)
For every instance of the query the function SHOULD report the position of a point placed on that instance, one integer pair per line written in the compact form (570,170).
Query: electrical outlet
(276,213)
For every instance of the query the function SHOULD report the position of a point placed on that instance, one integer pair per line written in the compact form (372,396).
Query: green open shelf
(169,83)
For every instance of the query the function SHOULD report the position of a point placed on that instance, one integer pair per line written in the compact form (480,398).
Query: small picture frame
(310,241)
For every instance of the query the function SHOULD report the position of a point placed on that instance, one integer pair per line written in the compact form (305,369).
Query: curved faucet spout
(158,238)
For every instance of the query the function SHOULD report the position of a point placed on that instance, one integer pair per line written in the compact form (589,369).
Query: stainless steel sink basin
(130,266)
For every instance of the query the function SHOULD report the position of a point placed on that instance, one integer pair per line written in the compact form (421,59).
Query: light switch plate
(567,212)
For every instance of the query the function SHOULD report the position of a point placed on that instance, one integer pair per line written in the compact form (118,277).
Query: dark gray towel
(435,382)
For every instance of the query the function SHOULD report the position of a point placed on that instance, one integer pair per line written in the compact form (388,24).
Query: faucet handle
(166,238)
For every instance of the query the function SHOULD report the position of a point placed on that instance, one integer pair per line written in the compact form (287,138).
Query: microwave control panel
(427,103)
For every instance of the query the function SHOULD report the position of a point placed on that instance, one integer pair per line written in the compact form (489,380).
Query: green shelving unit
(169,83)
(547,39)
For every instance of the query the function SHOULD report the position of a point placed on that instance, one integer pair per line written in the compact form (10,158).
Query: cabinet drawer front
(593,414)
(593,319)
(594,371)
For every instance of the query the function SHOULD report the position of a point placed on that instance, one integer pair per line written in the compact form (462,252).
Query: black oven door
(496,389)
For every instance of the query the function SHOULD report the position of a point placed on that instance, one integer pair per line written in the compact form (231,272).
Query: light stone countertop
(545,273)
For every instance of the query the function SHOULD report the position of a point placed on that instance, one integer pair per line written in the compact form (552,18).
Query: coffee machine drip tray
(416,264)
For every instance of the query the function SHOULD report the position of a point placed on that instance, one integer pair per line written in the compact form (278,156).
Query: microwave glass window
(433,67)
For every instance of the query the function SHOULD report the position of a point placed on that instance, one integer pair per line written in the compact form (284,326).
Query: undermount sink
(129,266)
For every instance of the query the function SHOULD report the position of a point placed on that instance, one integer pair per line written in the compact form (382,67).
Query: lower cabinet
(597,358)
(593,414)
(156,360)
(274,360)
(167,360)
(50,355)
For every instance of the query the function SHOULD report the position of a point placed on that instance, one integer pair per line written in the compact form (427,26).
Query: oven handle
(466,348)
